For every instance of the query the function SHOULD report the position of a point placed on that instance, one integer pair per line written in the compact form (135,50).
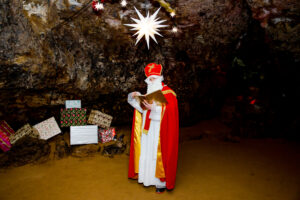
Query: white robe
(149,143)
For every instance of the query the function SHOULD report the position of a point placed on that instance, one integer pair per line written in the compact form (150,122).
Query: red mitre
(153,69)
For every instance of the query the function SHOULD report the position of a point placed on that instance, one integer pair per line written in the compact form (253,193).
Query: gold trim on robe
(160,171)
(137,139)
(169,91)
(145,131)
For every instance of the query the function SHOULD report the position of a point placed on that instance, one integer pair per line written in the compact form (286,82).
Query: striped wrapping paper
(4,142)
(5,132)
(6,129)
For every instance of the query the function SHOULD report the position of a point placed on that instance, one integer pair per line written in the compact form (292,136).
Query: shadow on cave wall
(256,94)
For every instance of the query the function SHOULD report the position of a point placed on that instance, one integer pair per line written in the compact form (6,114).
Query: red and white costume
(154,136)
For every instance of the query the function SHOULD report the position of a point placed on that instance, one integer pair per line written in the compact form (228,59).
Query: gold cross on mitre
(151,67)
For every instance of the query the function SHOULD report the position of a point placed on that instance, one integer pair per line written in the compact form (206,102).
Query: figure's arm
(133,102)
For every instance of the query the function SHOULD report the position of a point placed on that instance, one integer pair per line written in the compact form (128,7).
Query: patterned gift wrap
(101,119)
(47,128)
(6,129)
(107,135)
(4,142)
(72,117)
(73,103)
(22,132)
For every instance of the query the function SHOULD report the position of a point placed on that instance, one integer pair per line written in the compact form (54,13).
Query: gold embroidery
(160,171)
(169,91)
(145,131)
(150,68)
(137,139)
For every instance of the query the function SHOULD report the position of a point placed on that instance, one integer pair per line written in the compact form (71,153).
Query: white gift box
(73,103)
(84,134)
(47,128)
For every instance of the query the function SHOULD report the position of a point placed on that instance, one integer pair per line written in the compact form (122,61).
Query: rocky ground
(32,150)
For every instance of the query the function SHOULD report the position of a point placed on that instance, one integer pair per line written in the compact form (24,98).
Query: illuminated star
(146,26)
(99,6)
(174,29)
(123,3)
(172,14)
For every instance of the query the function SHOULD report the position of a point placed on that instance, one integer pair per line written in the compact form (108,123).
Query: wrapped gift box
(23,131)
(73,103)
(4,142)
(101,119)
(107,135)
(47,128)
(84,134)
(72,117)
(6,129)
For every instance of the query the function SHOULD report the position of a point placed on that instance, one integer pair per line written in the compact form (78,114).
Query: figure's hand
(147,105)
(134,94)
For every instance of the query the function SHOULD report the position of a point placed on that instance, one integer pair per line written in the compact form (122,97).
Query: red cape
(169,134)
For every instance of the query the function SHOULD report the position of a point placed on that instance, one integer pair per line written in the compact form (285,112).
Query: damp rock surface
(52,51)
(47,57)
(24,151)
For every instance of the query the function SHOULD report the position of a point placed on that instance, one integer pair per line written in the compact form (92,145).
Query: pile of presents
(72,116)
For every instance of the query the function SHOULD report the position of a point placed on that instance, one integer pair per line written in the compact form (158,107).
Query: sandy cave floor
(208,169)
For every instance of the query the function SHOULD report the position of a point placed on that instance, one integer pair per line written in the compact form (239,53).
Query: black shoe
(160,190)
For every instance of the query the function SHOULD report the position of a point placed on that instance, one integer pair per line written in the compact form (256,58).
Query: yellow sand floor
(208,169)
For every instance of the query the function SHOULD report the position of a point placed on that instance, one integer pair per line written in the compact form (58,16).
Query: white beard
(155,85)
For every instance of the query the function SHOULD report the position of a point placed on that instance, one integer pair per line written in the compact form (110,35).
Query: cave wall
(53,51)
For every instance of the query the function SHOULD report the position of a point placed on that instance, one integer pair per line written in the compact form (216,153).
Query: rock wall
(280,20)
(51,51)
